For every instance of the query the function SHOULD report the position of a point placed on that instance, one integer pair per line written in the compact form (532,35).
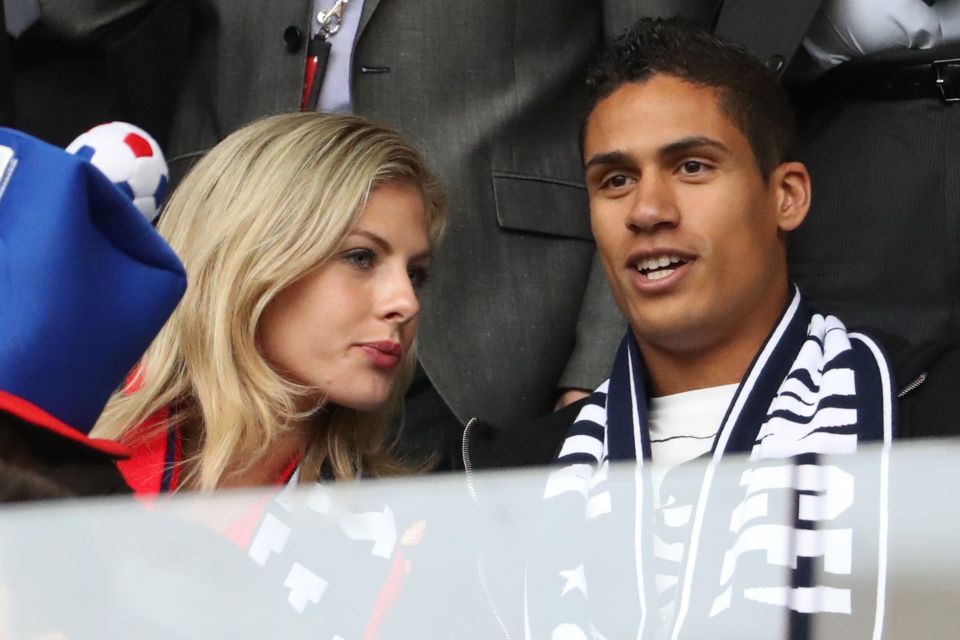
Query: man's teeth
(653,268)
(657,275)
(649,264)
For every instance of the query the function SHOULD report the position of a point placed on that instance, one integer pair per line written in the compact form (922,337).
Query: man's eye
(692,167)
(616,181)
(362,258)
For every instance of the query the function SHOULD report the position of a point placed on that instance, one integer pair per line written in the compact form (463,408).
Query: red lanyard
(318,53)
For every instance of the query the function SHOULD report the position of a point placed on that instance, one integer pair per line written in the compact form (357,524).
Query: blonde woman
(305,238)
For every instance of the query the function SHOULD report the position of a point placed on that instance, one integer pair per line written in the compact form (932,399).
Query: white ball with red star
(131,159)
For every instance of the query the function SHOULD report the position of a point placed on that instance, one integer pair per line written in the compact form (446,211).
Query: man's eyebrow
(691,143)
(609,158)
(386,245)
(677,147)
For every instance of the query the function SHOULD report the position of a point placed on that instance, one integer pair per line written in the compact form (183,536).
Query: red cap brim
(36,416)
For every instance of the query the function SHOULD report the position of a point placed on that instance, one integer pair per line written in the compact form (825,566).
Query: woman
(305,238)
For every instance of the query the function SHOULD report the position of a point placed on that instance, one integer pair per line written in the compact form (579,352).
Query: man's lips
(384,354)
(657,269)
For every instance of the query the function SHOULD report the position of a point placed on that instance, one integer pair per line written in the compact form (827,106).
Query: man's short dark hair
(749,94)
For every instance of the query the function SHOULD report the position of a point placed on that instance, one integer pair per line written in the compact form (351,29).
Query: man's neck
(672,372)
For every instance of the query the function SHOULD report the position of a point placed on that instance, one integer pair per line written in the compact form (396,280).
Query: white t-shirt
(683,427)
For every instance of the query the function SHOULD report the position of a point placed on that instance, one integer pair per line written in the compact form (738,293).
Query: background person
(306,238)
(877,133)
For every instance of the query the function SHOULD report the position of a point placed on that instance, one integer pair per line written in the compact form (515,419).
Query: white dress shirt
(335,92)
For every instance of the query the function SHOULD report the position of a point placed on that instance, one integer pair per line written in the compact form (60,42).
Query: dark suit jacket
(86,62)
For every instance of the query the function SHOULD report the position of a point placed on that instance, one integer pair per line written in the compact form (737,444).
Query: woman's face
(344,328)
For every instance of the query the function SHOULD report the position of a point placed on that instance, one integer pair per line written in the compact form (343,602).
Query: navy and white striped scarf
(773,534)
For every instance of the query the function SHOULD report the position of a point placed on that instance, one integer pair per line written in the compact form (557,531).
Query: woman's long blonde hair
(265,207)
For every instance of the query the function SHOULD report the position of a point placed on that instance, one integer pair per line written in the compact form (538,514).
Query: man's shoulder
(925,382)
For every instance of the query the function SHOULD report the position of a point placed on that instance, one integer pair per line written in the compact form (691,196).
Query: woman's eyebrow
(426,253)
(371,236)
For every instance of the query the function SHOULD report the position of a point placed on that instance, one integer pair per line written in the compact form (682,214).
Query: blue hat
(85,285)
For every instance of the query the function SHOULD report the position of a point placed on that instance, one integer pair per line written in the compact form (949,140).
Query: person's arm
(600,328)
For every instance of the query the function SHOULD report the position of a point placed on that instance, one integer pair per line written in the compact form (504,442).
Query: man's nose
(654,206)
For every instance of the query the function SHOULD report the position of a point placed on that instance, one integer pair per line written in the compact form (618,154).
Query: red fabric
(138,144)
(308,75)
(389,594)
(35,415)
(143,471)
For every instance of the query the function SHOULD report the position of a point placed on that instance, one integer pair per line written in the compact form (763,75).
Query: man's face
(688,230)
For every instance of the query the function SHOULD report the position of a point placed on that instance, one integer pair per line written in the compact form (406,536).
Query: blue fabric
(627,381)
(85,281)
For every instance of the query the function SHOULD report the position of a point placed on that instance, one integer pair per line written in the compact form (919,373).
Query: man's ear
(791,186)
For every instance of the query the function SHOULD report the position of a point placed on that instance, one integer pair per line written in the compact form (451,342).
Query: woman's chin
(369,404)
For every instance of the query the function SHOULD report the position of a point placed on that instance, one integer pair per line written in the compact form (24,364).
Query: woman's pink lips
(384,354)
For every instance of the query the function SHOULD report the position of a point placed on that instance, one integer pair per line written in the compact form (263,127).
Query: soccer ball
(131,159)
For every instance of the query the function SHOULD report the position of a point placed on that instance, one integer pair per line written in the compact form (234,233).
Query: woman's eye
(418,276)
(362,258)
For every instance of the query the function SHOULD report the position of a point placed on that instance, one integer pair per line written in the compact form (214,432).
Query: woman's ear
(791,184)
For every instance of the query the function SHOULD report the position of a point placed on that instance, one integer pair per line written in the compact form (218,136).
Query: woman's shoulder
(152,467)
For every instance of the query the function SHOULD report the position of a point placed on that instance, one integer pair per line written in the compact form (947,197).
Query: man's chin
(680,332)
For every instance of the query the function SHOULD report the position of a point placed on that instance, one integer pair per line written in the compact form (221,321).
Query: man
(688,151)
(860,69)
